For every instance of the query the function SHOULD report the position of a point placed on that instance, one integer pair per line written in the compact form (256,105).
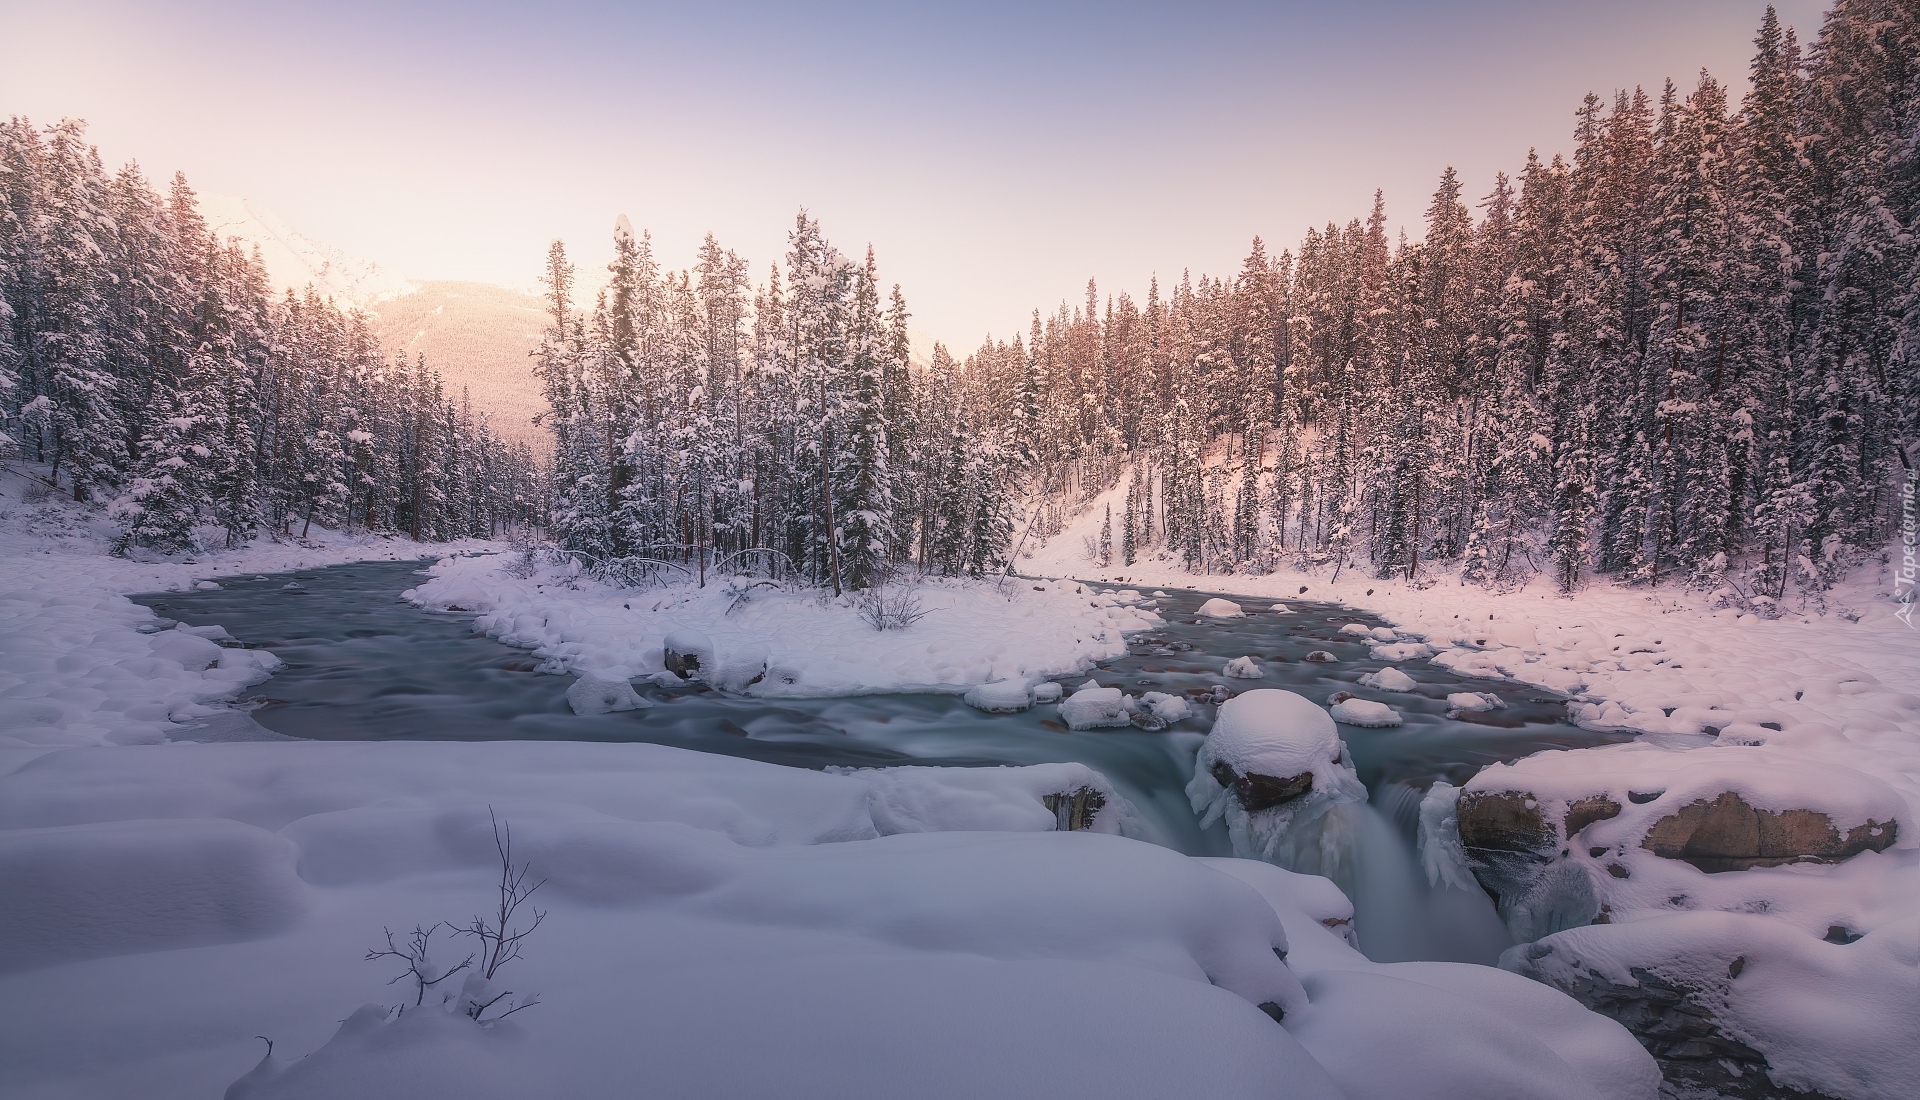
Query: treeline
(1693,350)
(148,363)
(696,416)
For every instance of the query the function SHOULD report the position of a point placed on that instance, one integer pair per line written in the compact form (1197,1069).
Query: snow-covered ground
(1816,712)
(714,927)
(811,645)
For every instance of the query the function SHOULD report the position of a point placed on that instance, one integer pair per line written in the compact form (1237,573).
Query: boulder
(1262,792)
(593,694)
(1095,708)
(1365,712)
(1320,656)
(1729,834)
(1242,668)
(1217,608)
(999,696)
(688,653)
(1273,764)
(1046,691)
(1388,679)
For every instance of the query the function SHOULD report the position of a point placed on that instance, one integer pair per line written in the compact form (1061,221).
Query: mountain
(295,260)
(478,337)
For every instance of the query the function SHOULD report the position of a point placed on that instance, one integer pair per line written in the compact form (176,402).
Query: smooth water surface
(363,665)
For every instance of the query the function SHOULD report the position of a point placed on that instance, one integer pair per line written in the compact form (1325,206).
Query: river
(361,664)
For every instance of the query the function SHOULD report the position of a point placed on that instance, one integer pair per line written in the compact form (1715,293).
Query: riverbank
(1803,966)
(168,902)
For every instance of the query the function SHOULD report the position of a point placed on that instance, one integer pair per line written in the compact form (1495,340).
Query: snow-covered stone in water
(1217,608)
(1281,609)
(1272,766)
(293,586)
(1047,691)
(688,653)
(1388,679)
(1365,712)
(592,694)
(999,696)
(1384,634)
(207,586)
(1095,708)
(1358,630)
(1242,668)
(1339,697)
(1167,708)
(743,667)
(1320,656)
(1475,700)
(1401,651)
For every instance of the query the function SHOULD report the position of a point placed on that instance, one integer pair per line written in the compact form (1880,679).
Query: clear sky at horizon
(996,155)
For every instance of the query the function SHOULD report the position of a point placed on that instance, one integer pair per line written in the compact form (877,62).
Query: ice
(1295,746)
(1364,712)
(1218,608)
(1095,707)
(1388,679)
(1242,668)
(1000,696)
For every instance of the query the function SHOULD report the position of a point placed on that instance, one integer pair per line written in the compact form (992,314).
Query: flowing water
(363,665)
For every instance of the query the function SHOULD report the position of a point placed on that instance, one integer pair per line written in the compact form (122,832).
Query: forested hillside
(1689,350)
(480,338)
(146,361)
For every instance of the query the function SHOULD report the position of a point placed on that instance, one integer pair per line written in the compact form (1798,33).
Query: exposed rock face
(1676,1025)
(1261,792)
(1727,834)
(1513,847)
(1582,812)
(1075,810)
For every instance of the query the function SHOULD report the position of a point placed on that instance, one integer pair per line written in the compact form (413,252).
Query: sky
(995,155)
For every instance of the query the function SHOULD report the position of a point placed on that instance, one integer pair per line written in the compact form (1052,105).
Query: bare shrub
(895,608)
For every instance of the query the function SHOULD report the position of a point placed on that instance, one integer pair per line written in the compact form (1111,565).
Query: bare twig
(499,941)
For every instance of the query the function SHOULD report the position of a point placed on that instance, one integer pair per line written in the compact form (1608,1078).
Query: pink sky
(995,155)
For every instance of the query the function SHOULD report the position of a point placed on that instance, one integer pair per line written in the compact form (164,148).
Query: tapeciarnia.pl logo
(1904,577)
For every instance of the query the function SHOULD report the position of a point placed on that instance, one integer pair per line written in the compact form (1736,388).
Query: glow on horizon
(995,155)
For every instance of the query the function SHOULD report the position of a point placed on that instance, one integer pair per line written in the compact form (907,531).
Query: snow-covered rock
(1365,712)
(999,696)
(1400,651)
(1047,691)
(1321,656)
(1095,708)
(592,694)
(1357,630)
(1217,608)
(1475,700)
(1242,668)
(688,653)
(1388,679)
(1272,765)
(1167,708)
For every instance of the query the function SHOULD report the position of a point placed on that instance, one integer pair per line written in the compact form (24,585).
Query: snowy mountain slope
(295,261)
(479,337)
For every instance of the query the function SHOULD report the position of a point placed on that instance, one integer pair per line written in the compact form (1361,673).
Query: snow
(1282,735)
(1364,712)
(1816,707)
(182,897)
(1218,608)
(1000,696)
(697,905)
(1168,708)
(1242,668)
(800,644)
(1388,679)
(1095,707)
(599,695)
